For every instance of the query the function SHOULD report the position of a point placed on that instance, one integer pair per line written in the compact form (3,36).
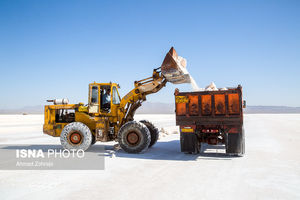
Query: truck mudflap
(235,143)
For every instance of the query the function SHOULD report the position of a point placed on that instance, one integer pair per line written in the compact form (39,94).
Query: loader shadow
(97,149)
(43,147)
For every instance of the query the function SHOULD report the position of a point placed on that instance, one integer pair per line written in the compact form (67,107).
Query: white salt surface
(269,170)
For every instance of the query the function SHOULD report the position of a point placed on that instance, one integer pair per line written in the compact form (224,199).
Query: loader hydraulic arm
(133,100)
(172,70)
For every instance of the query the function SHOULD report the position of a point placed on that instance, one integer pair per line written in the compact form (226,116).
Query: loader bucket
(174,68)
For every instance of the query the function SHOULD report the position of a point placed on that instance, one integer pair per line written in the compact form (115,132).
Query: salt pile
(211,87)
(164,133)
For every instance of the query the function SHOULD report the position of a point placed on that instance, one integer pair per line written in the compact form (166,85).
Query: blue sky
(54,49)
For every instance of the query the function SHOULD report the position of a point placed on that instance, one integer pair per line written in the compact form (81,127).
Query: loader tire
(153,132)
(134,137)
(75,136)
(93,140)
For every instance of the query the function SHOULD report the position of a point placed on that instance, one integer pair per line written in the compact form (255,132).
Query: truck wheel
(243,141)
(189,143)
(153,132)
(235,143)
(75,136)
(134,137)
(197,147)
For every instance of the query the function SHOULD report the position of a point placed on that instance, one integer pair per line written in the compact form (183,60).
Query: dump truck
(212,117)
(107,117)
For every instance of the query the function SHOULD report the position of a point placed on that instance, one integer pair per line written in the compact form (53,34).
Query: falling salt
(194,84)
(181,63)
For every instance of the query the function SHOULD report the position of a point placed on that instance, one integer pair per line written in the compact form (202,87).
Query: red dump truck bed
(211,117)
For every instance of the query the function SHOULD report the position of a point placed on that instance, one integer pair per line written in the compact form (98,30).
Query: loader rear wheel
(153,132)
(75,136)
(134,137)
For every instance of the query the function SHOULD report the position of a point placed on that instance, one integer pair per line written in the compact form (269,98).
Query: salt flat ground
(269,170)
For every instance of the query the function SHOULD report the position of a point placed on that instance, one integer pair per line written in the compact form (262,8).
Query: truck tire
(75,136)
(235,143)
(153,132)
(189,143)
(231,140)
(243,141)
(134,137)
(197,147)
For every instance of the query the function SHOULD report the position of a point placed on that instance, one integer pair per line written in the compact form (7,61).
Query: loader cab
(104,98)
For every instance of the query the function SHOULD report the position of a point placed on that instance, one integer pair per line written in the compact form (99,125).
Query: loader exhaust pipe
(174,68)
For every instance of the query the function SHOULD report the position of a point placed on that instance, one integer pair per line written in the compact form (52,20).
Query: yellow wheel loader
(107,117)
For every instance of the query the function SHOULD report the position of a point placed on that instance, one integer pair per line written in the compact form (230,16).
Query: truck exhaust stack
(174,68)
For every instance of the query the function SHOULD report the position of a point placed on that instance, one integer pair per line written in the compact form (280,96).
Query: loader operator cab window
(94,98)
(115,96)
(105,99)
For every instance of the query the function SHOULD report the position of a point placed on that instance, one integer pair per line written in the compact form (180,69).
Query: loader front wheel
(153,132)
(75,136)
(134,137)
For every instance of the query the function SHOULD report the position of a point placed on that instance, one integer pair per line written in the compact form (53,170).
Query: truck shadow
(170,150)
(213,152)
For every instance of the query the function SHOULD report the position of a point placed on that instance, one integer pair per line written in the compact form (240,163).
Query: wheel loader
(107,117)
